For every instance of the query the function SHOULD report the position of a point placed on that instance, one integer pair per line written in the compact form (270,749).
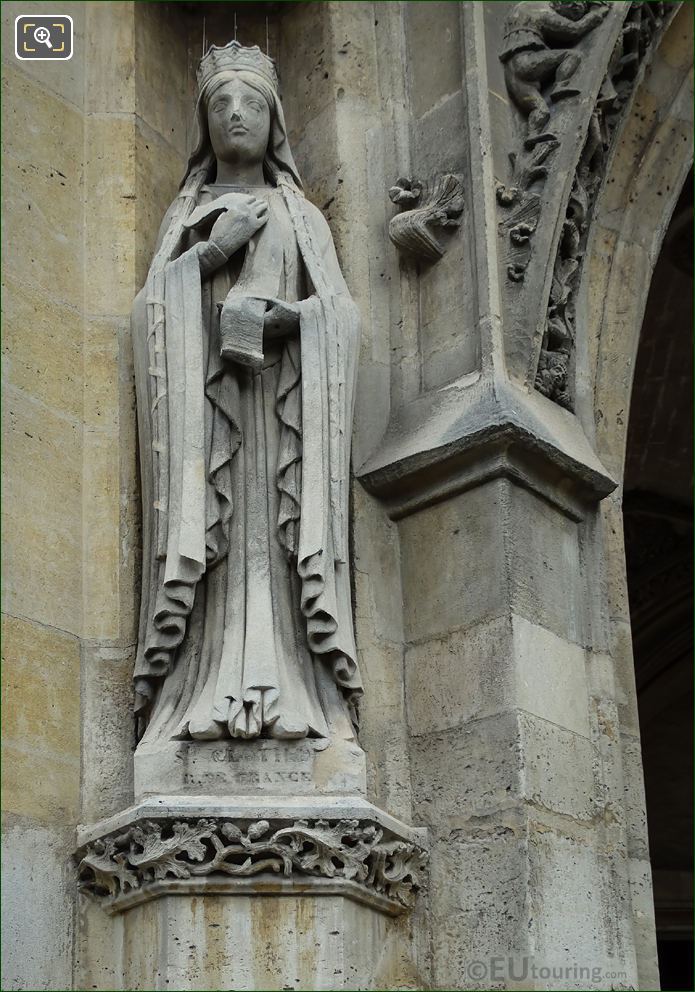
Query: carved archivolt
(643,23)
(541,66)
(360,852)
(539,70)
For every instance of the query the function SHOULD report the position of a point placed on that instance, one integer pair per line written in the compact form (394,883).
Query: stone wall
(43,445)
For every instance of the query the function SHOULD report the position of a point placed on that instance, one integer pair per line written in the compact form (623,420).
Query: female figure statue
(245,341)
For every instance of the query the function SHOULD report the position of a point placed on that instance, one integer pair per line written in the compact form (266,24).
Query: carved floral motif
(438,204)
(353,850)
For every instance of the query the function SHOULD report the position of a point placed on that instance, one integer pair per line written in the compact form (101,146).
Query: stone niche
(327,877)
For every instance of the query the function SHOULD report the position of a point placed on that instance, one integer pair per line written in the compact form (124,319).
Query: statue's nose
(236,114)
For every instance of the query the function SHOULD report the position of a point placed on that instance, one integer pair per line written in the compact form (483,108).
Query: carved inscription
(238,765)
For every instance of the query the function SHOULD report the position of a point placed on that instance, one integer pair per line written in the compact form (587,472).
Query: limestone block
(376,557)
(642,900)
(433,38)
(661,170)
(614,559)
(110,68)
(162,78)
(551,676)
(42,347)
(497,763)
(353,53)
(131,176)
(573,887)
(436,142)
(102,380)
(624,668)
(262,767)
(634,800)
(279,942)
(65,79)
(518,898)
(43,552)
(41,689)
(98,944)
(110,215)
(545,571)
(101,534)
(479,893)
(465,675)
(304,59)
(388,772)
(598,270)
(38,896)
(497,665)
(43,185)
(632,273)
(449,349)
(111,498)
(108,737)
(453,563)
(557,771)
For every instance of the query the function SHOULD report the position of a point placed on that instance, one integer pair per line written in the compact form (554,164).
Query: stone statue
(532,59)
(245,340)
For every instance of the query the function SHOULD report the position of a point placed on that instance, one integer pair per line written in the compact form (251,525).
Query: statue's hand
(238,223)
(281,320)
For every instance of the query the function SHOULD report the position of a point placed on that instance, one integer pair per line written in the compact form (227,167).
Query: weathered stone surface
(38,897)
(108,735)
(269,767)
(491,608)
(41,762)
(43,462)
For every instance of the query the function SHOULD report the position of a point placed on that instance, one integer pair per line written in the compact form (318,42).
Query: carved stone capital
(166,845)
(432,205)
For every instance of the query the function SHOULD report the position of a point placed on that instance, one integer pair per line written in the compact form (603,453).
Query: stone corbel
(428,206)
(448,442)
(171,845)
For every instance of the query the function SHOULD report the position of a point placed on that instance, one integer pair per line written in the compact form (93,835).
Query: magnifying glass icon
(43,36)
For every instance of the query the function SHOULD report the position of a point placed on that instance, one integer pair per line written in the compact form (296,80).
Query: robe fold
(246,619)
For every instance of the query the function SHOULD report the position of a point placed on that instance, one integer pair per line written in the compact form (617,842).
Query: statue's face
(239,123)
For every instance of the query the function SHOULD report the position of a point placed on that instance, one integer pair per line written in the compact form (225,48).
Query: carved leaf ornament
(352,850)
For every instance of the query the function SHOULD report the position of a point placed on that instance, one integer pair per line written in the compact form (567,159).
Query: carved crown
(235,56)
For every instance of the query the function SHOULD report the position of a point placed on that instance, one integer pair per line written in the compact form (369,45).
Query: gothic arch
(652,157)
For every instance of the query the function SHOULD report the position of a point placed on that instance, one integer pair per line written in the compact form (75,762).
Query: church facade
(347,588)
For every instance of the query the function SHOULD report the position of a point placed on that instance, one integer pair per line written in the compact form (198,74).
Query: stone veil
(246,624)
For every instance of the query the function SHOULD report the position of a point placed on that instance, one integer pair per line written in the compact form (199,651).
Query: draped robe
(246,623)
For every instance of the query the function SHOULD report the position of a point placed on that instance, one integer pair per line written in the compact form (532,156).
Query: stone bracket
(252,846)
(474,431)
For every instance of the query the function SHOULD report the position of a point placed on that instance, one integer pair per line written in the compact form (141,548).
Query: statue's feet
(286,729)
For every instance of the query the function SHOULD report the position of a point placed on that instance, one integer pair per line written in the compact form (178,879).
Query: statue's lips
(238,129)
